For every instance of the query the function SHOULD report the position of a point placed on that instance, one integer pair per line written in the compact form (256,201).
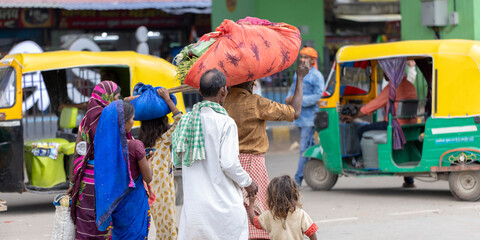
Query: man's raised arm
(297,98)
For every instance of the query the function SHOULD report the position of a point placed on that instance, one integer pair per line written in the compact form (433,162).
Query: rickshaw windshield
(354,80)
(7,87)
(330,87)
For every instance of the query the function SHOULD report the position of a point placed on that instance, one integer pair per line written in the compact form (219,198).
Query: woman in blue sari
(121,202)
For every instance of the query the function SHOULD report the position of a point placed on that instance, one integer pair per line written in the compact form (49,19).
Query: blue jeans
(306,141)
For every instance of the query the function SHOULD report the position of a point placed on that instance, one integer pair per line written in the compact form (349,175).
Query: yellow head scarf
(311,53)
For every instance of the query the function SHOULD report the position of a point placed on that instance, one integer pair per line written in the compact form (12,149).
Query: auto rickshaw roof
(32,62)
(143,68)
(456,70)
(409,49)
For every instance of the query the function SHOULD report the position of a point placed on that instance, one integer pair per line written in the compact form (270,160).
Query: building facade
(465,25)
(55,25)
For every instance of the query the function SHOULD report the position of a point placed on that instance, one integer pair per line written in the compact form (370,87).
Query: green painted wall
(304,14)
(468,27)
(220,12)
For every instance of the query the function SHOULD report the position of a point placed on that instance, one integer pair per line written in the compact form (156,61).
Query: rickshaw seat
(69,148)
(42,170)
(68,117)
(68,120)
(407,108)
(377,136)
(369,145)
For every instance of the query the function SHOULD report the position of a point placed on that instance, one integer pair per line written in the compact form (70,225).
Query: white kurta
(213,203)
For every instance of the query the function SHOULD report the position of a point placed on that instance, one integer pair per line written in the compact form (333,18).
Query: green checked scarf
(188,136)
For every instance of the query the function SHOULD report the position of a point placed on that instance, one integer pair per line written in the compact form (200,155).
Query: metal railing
(42,97)
(276,86)
(190,99)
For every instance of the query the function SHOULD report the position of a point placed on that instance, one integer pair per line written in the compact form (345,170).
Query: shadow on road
(28,208)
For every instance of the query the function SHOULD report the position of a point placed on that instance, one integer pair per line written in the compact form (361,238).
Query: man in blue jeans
(313,85)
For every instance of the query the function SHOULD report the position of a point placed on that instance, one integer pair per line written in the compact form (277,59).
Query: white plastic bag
(63,227)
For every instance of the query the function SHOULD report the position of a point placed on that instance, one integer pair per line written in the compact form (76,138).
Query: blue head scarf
(113,179)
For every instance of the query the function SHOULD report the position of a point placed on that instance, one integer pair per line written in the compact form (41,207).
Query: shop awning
(372,18)
(175,6)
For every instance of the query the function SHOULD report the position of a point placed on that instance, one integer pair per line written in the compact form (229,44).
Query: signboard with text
(26,18)
(90,19)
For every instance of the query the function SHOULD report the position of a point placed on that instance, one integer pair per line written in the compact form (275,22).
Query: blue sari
(119,201)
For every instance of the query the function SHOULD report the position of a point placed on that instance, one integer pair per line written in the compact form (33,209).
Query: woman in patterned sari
(156,133)
(82,185)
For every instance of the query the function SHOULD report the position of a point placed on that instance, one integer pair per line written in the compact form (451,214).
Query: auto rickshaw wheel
(317,176)
(465,185)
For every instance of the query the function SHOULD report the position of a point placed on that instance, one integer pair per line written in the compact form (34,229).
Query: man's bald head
(211,82)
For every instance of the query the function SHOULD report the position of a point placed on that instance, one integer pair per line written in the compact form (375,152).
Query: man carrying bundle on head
(251,113)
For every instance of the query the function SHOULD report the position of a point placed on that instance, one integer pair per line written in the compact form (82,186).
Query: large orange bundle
(246,50)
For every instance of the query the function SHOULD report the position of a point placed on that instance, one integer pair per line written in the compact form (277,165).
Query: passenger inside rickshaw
(363,127)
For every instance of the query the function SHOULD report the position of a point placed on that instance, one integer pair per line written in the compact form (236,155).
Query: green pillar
(231,9)
(307,15)
(476,20)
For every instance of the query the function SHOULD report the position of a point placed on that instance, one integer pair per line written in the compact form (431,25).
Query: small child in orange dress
(285,219)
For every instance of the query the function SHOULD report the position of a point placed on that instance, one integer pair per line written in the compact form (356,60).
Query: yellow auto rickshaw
(444,141)
(32,89)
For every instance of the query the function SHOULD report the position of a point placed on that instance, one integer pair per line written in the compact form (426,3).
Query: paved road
(356,208)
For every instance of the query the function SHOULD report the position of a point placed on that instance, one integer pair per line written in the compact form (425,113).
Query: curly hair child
(285,219)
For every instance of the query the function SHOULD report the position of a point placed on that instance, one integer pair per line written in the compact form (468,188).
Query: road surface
(356,208)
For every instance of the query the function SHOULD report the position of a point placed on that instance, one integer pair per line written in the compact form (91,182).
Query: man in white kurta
(213,201)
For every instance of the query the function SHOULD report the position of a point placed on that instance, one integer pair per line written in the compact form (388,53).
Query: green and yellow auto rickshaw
(32,88)
(443,144)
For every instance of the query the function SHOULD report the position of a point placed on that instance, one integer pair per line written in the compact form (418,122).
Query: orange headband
(311,53)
